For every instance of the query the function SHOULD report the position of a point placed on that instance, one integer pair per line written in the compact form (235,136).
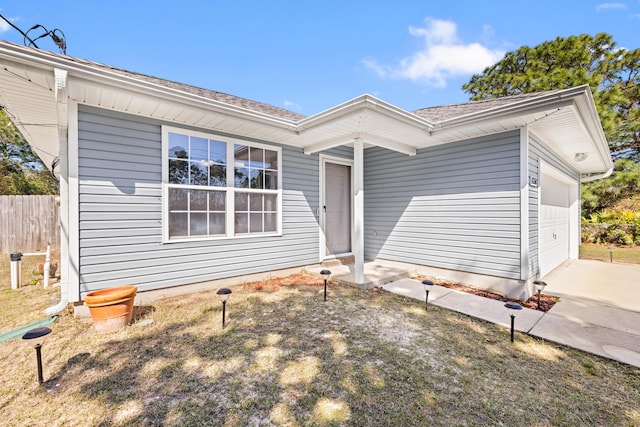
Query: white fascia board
(590,120)
(42,59)
(547,101)
(363,102)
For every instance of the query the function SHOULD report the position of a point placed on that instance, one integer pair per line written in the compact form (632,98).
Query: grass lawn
(286,358)
(627,255)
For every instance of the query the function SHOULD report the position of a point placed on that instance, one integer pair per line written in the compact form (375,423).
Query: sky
(308,56)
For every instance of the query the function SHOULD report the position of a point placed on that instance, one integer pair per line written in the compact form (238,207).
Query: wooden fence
(27,223)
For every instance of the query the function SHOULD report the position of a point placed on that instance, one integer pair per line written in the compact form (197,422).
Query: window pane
(199,174)
(216,223)
(270,159)
(199,149)
(218,151)
(177,224)
(257,178)
(270,202)
(257,158)
(198,224)
(242,223)
(255,202)
(271,180)
(241,155)
(217,200)
(178,172)
(178,146)
(241,177)
(242,202)
(178,199)
(198,200)
(218,176)
(270,222)
(255,219)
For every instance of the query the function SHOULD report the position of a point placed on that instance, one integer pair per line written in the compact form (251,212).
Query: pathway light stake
(513,307)
(428,284)
(37,335)
(224,295)
(611,253)
(326,274)
(539,287)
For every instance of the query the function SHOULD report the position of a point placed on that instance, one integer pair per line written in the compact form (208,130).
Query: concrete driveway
(612,284)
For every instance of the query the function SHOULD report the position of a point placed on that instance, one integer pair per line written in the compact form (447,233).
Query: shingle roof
(193,90)
(447,112)
(433,114)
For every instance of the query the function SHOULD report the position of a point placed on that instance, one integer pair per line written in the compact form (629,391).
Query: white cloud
(4,26)
(605,6)
(291,104)
(443,56)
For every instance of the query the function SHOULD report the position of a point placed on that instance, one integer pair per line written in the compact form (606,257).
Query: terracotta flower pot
(111,308)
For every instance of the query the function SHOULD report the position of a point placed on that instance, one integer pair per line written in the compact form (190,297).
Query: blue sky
(309,56)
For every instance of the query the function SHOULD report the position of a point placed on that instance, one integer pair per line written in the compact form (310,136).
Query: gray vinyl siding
(539,151)
(120,213)
(454,206)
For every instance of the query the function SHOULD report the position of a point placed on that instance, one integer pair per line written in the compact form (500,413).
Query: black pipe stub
(15,256)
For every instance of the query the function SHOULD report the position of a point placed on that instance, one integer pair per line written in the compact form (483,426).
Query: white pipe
(64,301)
(47,266)
(47,263)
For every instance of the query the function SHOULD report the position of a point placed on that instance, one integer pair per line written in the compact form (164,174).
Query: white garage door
(554,223)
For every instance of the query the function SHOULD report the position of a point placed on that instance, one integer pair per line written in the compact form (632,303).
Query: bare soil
(546,301)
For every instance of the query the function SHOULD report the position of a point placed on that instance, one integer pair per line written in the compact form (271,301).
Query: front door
(337,208)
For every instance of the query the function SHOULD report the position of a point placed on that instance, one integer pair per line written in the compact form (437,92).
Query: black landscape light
(512,307)
(428,284)
(224,295)
(326,274)
(36,335)
(540,285)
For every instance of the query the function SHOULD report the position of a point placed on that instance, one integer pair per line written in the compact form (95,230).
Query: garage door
(554,223)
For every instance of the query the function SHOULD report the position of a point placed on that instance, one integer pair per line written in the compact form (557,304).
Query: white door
(337,208)
(555,202)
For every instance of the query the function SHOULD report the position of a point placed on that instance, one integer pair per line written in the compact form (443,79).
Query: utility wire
(56,35)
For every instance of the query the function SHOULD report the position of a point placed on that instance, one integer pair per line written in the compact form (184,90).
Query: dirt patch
(546,301)
(275,283)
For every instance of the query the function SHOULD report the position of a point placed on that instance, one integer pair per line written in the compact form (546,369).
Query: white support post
(358,210)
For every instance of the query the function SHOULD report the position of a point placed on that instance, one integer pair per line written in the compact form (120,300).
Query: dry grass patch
(288,358)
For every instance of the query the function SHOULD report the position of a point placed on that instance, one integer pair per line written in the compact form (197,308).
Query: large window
(219,188)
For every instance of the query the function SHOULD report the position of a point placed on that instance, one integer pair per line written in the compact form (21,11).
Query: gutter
(595,176)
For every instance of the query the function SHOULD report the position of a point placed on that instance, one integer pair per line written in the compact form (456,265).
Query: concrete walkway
(584,324)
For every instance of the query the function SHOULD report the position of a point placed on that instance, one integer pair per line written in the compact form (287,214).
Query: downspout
(63,125)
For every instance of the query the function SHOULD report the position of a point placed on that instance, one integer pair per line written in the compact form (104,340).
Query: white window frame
(230,189)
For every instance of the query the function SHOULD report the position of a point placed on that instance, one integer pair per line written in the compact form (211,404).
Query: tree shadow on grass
(288,358)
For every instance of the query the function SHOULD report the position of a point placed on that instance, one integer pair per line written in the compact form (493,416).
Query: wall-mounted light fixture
(580,157)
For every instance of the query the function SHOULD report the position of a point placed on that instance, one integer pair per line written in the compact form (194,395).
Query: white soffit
(28,97)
